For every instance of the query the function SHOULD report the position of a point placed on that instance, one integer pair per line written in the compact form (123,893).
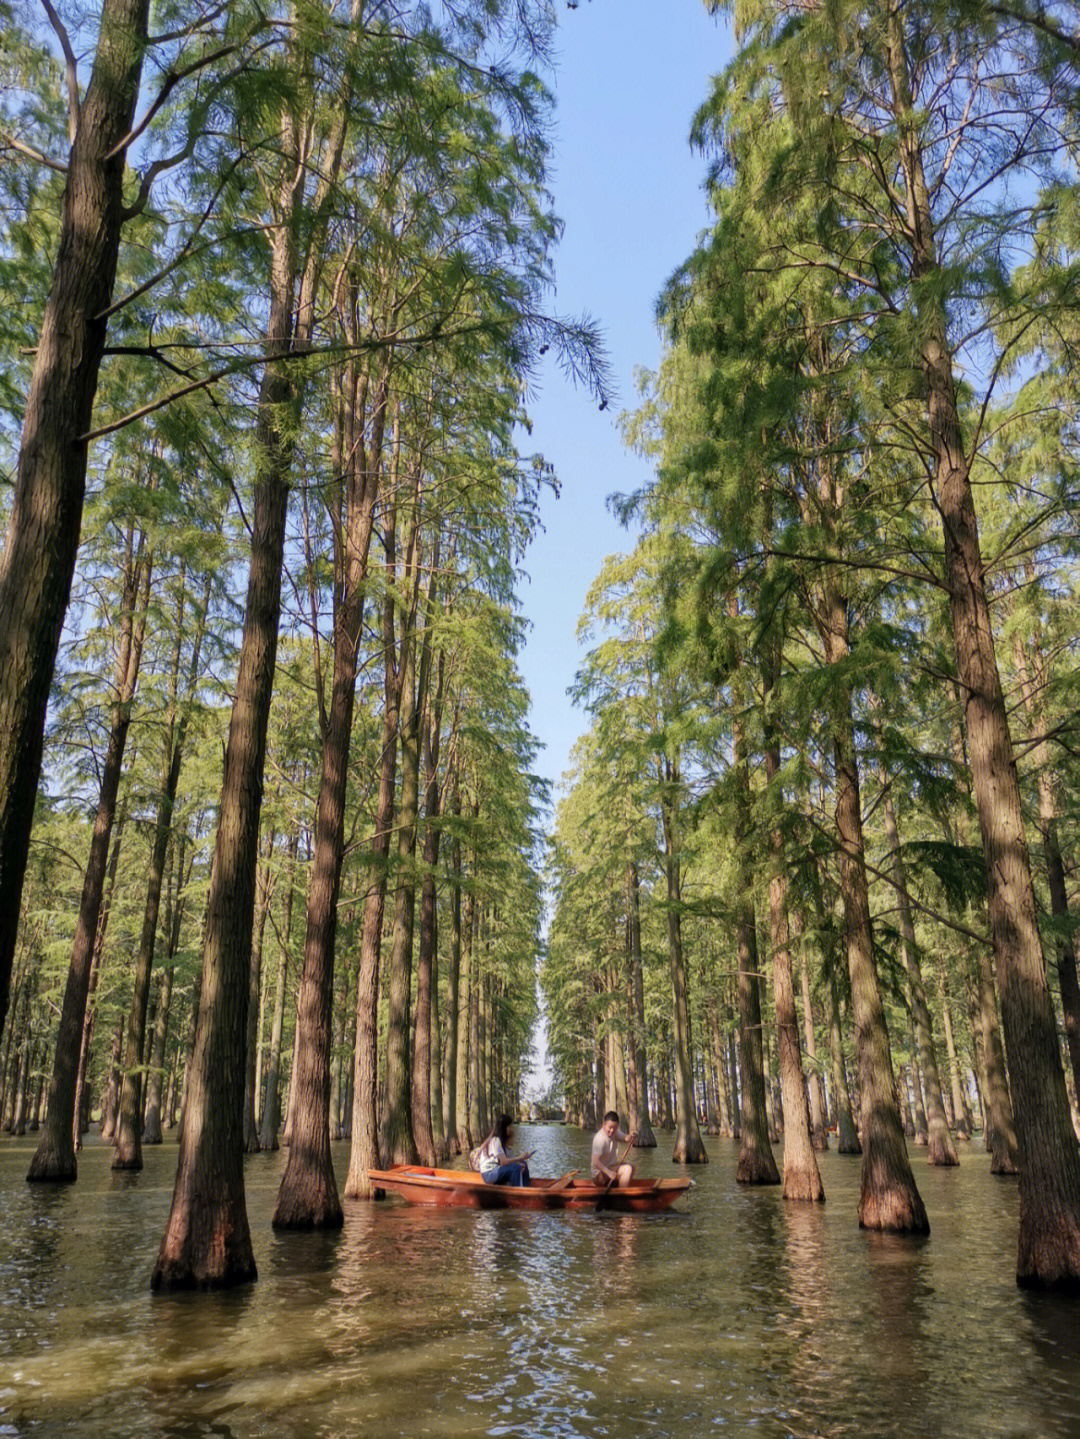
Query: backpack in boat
(474,1157)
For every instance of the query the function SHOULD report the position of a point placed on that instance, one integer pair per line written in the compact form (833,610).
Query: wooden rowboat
(464,1189)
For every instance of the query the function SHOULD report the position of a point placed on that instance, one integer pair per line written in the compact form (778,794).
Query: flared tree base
(1049,1247)
(941,1152)
(205,1249)
(756,1165)
(848,1141)
(52,1163)
(646,1139)
(224,1272)
(803,1186)
(308,1198)
(689,1150)
(1049,1256)
(127,1156)
(896,1209)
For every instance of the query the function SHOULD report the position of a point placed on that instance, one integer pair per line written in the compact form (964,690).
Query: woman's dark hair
(503,1125)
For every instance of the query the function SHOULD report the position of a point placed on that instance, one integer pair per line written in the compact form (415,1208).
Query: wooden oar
(607,1187)
(563,1181)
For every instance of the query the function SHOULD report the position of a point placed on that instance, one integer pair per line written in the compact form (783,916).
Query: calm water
(735,1314)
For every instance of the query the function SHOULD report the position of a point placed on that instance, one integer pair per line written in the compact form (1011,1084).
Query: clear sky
(630,74)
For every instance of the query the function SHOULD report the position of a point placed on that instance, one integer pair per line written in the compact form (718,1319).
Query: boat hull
(463,1189)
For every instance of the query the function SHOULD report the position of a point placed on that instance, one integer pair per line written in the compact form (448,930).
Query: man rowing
(607,1166)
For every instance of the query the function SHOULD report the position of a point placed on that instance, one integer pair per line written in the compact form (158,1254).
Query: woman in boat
(496,1165)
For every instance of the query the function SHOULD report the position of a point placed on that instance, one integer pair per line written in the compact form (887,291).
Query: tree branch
(71,70)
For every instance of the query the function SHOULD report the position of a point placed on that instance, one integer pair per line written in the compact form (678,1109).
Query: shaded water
(734,1313)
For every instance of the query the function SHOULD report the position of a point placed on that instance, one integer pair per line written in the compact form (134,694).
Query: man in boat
(606,1166)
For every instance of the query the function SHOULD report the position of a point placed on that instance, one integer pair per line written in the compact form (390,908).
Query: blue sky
(630,74)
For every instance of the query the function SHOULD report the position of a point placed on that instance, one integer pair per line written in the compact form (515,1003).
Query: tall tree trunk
(847,1135)
(959,1119)
(1049,1237)
(54,1157)
(46,514)
(128,1147)
(308,1197)
(207,1242)
(638,1059)
(922,1132)
(271,1106)
(940,1150)
(890,1199)
(174,914)
(756,1163)
(733,1070)
(264,889)
(453,987)
(82,1105)
(719,1064)
(802,1178)
(152,1122)
(398,1140)
(364,1154)
(689,1147)
(476,1126)
(1001,1137)
(431,706)
(466,1135)
(1048,786)
(110,1098)
(818,1132)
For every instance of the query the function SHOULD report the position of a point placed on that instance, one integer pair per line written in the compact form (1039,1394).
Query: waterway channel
(733,1314)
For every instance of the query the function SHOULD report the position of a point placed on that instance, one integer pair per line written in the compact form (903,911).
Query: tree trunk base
(128,1151)
(897,1209)
(222,1271)
(803,1186)
(50,1164)
(1049,1256)
(308,1199)
(1004,1164)
(646,1139)
(756,1165)
(363,1189)
(206,1246)
(689,1151)
(132,1163)
(942,1152)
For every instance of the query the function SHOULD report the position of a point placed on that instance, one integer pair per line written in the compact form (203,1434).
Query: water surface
(734,1313)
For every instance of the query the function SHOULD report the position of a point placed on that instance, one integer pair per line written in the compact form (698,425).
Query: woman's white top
(492,1154)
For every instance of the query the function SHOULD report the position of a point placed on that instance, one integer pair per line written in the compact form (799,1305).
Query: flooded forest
(283,897)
